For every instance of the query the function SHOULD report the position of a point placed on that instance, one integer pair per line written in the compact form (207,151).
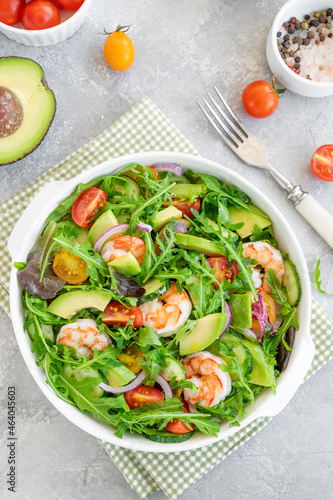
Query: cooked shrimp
(167,313)
(267,257)
(121,246)
(84,336)
(202,369)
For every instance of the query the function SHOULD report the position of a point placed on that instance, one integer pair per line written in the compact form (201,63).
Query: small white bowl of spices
(300,47)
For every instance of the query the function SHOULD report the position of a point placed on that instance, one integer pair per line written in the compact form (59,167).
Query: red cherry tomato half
(142,395)
(10,11)
(185,207)
(40,15)
(223,269)
(260,99)
(118,314)
(86,205)
(322,163)
(177,426)
(69,5)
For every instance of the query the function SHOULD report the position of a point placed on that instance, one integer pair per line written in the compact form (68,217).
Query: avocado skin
(43,83)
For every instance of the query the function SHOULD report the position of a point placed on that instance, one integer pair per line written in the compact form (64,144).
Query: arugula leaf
(279,293)
(166,254)
(20,265)
(154,363)
(318,280)
(148,337)
(266,234)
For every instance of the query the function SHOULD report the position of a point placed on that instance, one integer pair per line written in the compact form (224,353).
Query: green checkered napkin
(145,128)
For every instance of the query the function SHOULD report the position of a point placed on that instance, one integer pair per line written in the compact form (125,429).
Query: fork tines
(226,123)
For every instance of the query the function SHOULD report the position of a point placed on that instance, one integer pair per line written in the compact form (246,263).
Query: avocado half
(27,107)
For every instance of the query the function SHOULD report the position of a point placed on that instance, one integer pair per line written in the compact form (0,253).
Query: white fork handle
(318,217)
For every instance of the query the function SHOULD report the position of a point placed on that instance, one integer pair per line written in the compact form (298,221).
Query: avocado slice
(102,224)
(250,219)
(126,265)
(118,375)
(163,217)
(262,371)
(204,333)
(68,304)
(241,310)
(24,79)
(201,245)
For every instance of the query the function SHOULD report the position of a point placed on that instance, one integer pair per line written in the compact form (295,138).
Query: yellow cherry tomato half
(70,268)
(271,309)
(129,357)
(119,50)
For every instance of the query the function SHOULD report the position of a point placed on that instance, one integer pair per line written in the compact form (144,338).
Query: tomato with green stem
(11,11)
(260,98)
(119,49)
(322,163)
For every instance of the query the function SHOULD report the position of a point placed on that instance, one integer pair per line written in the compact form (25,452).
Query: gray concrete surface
(182,49)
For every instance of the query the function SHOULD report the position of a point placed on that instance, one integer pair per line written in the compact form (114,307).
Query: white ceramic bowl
(71,22)
(29,227)
(285,75)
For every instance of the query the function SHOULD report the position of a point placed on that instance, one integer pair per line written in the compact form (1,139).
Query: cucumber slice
(132,189)
(173,369)
(154,288)
(47,330)
(292,283)
(169,437)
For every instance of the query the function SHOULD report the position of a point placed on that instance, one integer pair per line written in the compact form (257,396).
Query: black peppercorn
(322,19)
(322,38)
(286,38)
(306,41)
(285,25)
(297,65)
(330,35)
(310,35)
(314,22)
(278,34)
(297,59)
(297,26)
(307,17)
(329,12)
(291,30)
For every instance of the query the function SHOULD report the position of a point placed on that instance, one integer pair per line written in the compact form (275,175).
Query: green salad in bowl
(158,301)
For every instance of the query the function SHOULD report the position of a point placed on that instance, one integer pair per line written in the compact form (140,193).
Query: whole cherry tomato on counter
(69,5)
(260,98)
(10,11)
(40,15)
(119,49)
(322,163)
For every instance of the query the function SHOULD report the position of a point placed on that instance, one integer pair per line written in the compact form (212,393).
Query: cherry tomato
(142,395)
(119,50)
(223,270)
(69,5)
(129,357)
(40,15)
(271,309)
(177,426)
(70,268)
(118,314)
(322,163)
(86,205)
(185,207)
(260,99)
(11,11)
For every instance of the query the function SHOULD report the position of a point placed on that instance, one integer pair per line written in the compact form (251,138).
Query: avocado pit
(11,112)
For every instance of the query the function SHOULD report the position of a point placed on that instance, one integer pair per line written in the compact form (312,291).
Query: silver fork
(252,151)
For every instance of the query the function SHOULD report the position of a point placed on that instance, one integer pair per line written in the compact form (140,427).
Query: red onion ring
(227,310)
(168,167)
(192,408)
(119,390)
(165,386)
(119,229)
(144,227)
(250,333)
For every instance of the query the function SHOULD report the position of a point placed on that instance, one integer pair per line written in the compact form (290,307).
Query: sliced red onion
(168,167)
(192,409)
(165,386)
(132,385)
(120,228)
(144,227)
(227,310)
(250,333)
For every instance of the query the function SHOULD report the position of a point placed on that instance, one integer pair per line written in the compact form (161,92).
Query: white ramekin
(292,81)
(50,36)
(29,227)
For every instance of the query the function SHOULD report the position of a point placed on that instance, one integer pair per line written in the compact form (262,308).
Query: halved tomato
(86,205)
(185,207)
(224,269)
(142,395)
(177,426)
(129,357)
(119,315)
(70,268)
(322,163)
(271,309)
